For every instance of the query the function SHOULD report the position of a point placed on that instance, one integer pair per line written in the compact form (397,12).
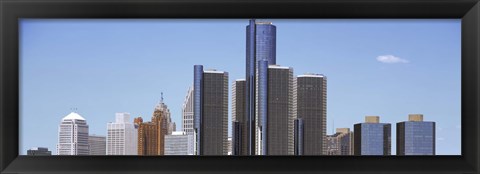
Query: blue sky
(389,68)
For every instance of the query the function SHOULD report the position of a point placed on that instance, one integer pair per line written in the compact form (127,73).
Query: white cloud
(391,59)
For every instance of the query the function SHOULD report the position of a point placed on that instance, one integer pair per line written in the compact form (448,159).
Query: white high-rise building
(121,136)
(179,143)
(187,113)
(73,136)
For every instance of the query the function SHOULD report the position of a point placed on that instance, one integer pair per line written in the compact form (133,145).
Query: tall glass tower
(265,41)
(261,49)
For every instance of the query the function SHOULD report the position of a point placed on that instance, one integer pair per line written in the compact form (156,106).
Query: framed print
(221,86)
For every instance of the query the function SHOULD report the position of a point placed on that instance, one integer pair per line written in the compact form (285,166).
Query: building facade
(298,136)
(97,144)
(179,143)
(372,137)
(340,143)
(121,136)
(332,145)
(39,151)
(211,111)
(147,143)
(311,106)
(415,136)
(151,135)
(73,135)
(239,138)
(187,113)
(261,47)
(279,134)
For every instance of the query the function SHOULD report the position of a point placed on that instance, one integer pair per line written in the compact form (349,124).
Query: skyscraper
(261,46)
(279,130)
(97,144)
(311,106)
(121,136)
(415,136)
(187,112)
(239,138)
(372,137)
(210,111)
(147,137)
(73,135)
(179,143)
(162,112)
(39,151)
(340,143)
(151,135)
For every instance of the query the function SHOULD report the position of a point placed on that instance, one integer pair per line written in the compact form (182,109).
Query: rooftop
(213,71)
(311,75)
(178,133)
(278,67)
(372,119)
(263,23)
(73,116)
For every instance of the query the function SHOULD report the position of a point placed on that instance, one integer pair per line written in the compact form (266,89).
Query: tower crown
(73,116)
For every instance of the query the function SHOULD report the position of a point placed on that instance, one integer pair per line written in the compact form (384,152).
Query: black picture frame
(466,10)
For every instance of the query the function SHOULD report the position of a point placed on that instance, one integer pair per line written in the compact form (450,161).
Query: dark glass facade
(238,114)
(372,139)
(416,138)
(214,120)
(237,138)
(280,140)
(41,151)
(298,136)
(311,107)
(197,105)
(210,105)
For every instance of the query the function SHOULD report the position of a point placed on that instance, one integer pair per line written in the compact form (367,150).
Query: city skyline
(390,62)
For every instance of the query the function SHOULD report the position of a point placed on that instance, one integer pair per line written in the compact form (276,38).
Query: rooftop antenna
(161,97)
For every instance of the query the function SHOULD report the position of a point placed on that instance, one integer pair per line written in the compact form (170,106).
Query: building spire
(161,99)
